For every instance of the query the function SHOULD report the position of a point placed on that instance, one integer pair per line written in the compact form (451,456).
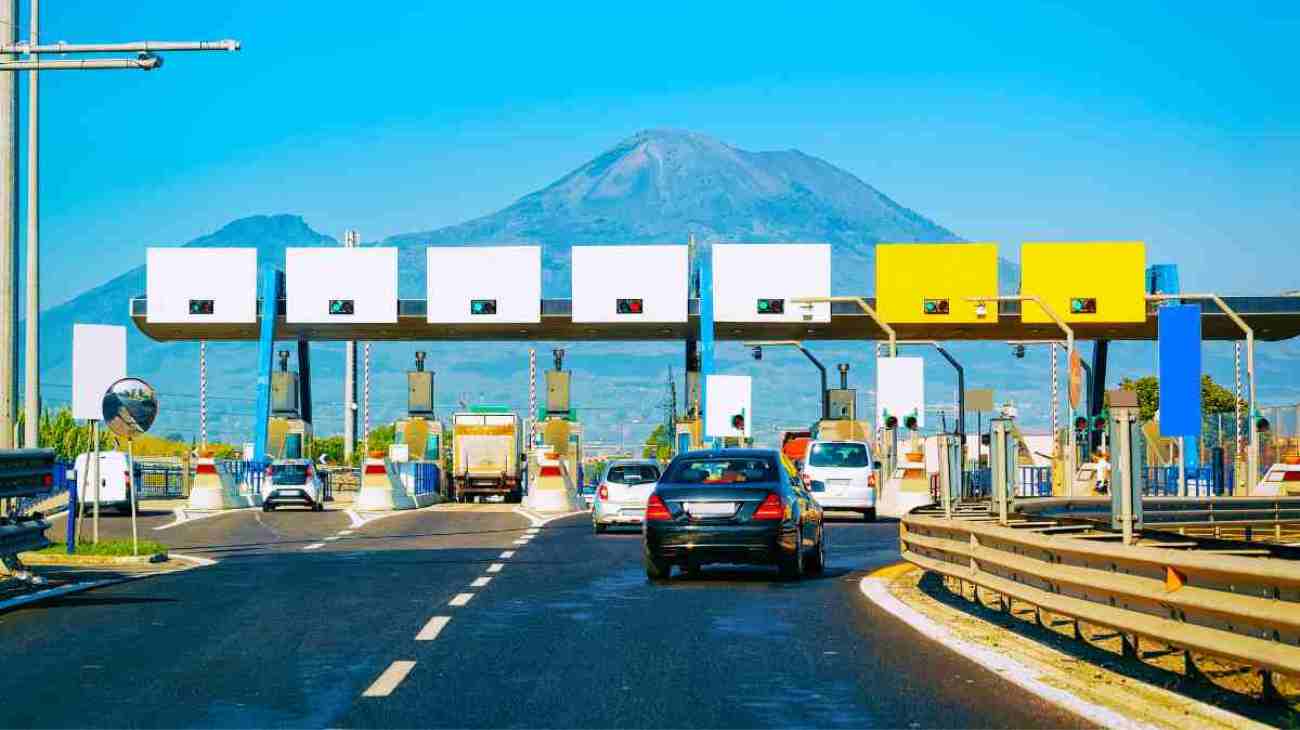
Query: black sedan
(732,506)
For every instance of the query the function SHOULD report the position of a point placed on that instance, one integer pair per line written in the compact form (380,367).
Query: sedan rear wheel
(818,562)
(657,569)
(791,566)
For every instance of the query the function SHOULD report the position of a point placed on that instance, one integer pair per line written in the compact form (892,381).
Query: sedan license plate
(710,509)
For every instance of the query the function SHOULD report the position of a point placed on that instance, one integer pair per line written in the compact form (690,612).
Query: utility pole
(350,240)
(8,230)
(9,66)
(32,359)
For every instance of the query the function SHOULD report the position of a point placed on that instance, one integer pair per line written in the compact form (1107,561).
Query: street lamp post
(961,384)
(758,355)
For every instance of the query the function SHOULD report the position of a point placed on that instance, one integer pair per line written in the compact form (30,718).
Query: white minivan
(841,476)
(114,480)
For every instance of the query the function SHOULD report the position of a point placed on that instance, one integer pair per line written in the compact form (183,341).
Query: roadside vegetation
(115,548)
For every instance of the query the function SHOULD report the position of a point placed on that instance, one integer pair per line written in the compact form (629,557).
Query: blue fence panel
(1204,481)
(1034,481)
(247,474)
(427,477)
(979,482)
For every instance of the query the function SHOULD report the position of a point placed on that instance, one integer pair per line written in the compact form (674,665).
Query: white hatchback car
(622,493)
(292,481)
(841,476)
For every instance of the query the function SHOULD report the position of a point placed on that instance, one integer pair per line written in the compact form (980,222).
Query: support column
(706,333)
(304,379)
(349,401)
(692,376)
(32,356)
(272,282)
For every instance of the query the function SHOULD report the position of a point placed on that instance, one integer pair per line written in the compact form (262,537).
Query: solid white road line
(507,554)
(521,542)
(433,628)
(495,567)
(331,538)
(877,591)
(461,599)
(389,680)
(480,582)
(347,532)
(314,546)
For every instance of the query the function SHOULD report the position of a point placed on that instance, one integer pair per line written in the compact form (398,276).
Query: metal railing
(1204,481)
(159,480)
(428,478)
(63,477)
(1216,602)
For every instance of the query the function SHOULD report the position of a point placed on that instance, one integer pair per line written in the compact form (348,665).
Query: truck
(485,455)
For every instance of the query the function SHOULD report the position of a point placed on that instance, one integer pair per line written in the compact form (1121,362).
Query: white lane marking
(389,680)
(533,531)
(480,582)
(433,628)
(360,519)
(347,532)
(461,599)
(356,519)
(184,516)
(331,538)
(540,521)
(507,554)
(314,546)
(495,567)
(192,558)
(521,542)
(877,592)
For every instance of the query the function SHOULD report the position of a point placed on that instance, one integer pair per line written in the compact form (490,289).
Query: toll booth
(419,437)
(561,432)
(288,434)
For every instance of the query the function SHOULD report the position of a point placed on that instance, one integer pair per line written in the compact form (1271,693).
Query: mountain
(654,187)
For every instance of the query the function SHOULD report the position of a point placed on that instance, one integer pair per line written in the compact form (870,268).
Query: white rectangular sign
(747,275)
(629,283)
(98,361)
(484,284)
(726,397)
(340,285)
(900,389)
(198,285)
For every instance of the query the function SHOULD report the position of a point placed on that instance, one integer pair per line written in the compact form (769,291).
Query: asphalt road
(305,613)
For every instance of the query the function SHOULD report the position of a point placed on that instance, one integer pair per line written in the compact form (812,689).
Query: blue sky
(1175,123)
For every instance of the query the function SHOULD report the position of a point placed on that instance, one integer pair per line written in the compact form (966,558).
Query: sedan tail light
(603,492)
(656,510)
(770,509)
(871,480)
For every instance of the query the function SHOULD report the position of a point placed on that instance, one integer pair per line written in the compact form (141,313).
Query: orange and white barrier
(213,489)
(381,489)
(552,489)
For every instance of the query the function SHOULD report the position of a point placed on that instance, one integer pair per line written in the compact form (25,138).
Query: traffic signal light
(738,422)
(1080,424)
(1261,424)
(201,306)
(483,306)
(910,423)
(891,421)
(1099,422)
(1019,352)
(985,439)
(1083,305)
(342,306)
(935,306)
(771,306)
(630,306)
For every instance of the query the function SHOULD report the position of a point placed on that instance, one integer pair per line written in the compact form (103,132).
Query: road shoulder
(1089,689)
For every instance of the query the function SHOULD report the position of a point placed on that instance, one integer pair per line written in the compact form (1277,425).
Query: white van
(841,476)
(114,481)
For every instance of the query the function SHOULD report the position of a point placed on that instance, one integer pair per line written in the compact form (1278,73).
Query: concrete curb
(90,560)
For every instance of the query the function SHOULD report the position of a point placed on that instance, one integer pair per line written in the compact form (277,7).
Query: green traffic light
(930,307)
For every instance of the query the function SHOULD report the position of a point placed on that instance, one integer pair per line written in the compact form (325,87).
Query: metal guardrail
(17,537)
(1206,601)
(1173,512)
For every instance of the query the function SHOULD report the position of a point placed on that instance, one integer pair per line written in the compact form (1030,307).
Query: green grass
(107,547)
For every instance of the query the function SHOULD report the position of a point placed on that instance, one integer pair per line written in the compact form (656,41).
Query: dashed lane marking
(433,628)
(480,582)
(507,554)
(495,567)
(314,546)
(388,681)
(461,599)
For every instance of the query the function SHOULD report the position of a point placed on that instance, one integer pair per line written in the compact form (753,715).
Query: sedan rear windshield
(720,471)
(632,474)
(289,474)
(838,454)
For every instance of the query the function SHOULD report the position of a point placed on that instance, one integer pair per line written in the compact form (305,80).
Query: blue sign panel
(1180,370)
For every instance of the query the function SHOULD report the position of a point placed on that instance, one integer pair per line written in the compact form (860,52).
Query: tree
(1214,397)
(657,444)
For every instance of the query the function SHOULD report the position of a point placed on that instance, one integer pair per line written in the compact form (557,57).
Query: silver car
(622,493)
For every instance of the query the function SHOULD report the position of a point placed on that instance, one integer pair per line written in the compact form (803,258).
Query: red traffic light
(629,306)
(1080,424)
(738,422)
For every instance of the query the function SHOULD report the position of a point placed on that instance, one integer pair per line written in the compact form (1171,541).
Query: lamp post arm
(826,406)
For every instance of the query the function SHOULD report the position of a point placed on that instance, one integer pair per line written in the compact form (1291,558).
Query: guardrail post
(1127,464)
(1002,459)
(950,472)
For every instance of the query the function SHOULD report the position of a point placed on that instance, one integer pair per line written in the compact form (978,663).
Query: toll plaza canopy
(1272,318)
